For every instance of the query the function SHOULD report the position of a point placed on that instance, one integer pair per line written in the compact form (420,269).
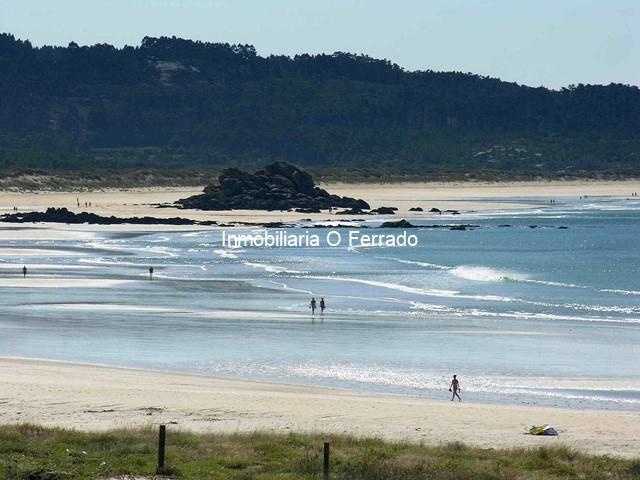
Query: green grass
(36,453)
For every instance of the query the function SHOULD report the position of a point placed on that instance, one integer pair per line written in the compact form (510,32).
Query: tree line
(176,103)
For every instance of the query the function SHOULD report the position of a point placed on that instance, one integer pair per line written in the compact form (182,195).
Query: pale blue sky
(539,42)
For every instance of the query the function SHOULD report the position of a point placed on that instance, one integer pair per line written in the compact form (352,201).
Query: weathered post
(325,463)
(161,444)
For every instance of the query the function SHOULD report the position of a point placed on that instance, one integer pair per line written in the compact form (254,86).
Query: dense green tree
(172,102)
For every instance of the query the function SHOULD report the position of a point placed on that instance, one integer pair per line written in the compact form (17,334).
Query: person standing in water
(312,306)
(150,273)
(24,271)
(455,388)
(322,306)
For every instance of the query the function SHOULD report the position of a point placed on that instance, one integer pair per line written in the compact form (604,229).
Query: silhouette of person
(24,271)
(312,306)
(322,306)
(455,388)
(150,273)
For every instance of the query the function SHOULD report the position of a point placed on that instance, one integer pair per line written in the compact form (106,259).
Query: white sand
(463,196)
(96,398)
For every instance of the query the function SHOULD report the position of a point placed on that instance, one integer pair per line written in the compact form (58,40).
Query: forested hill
(178,103)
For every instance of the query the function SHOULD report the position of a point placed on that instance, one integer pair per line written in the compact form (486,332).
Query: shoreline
(99,397)
(460,196)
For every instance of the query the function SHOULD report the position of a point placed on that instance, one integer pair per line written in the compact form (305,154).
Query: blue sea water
(543,316)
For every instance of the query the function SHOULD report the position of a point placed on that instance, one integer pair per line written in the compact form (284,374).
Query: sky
(553,43)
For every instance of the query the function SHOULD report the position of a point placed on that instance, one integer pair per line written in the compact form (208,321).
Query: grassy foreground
(37,453)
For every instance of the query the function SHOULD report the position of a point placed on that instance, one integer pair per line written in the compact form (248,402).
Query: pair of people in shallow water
(313,305)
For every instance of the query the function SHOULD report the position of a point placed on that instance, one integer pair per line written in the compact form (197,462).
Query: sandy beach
(88,397)
(463,196)
(97,398)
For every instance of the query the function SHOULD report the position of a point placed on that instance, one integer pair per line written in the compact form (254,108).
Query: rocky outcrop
(397,224)
(279,186)
(416,209)
(352,211)
(62,215)
(385,210)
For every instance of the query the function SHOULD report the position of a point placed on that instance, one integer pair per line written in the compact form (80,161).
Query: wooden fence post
(325,463)
(161,445)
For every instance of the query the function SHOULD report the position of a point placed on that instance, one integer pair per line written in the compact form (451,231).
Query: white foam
(108,245)
(483,274)
(158,240)
(103,261)
(36,252)
(271,268)
(514,315)
(621,292)
(437,380)
(415,290)
(52,282)
(57,266)
(225,253)
(553,284)
(420,264)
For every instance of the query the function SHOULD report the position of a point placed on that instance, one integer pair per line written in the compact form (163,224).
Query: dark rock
(458,227)
(308,210)
(384,210)
(533,226)
(352,211)
(563,228)
(340,225)
(452,212)
(504,226)
(416,209)
(275,225)
(397,224)
(435,210)
(279,186)
(62,215)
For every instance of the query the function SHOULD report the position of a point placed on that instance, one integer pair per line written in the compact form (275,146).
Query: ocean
(536,306)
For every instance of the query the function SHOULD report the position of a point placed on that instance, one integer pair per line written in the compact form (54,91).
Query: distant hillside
(174,103)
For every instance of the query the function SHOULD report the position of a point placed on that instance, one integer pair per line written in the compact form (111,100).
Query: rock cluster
(397,224)
(279,186)
(62,215)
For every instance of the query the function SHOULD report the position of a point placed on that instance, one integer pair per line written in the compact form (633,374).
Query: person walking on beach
(150,273)
(24,271)
(312,306)
(455,388)
(322,306)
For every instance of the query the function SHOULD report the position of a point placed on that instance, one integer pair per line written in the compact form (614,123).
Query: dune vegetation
(34,452)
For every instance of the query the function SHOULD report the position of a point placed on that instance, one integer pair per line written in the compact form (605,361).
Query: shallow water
(543,315)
